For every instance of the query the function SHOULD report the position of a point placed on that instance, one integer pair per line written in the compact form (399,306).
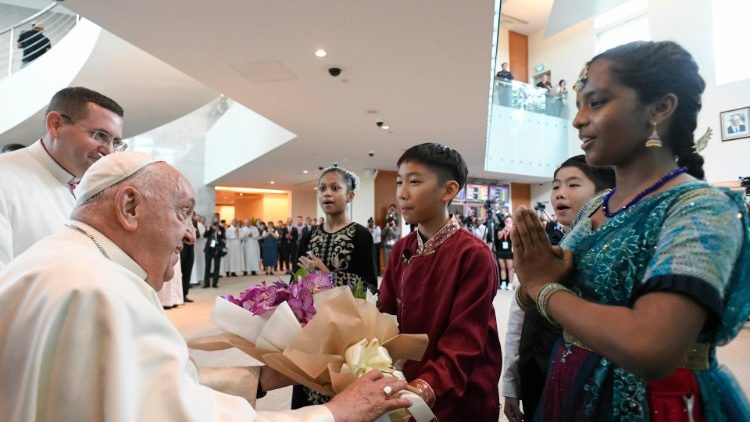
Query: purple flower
(317,282)
(262,297)
(301,302)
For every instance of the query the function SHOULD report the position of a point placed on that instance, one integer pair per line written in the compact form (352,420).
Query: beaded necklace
(659,183)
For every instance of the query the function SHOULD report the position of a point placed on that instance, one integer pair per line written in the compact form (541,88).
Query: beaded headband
(583,77)
(701,143)
(350,174)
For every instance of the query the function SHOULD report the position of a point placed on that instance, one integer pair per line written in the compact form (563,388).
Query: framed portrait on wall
(735,124)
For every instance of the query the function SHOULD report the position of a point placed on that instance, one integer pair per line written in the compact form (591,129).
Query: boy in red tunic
(441,280)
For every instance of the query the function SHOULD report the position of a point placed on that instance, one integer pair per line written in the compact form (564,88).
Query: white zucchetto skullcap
(108,171)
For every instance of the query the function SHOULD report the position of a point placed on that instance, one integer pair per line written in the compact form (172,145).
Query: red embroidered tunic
(445,289)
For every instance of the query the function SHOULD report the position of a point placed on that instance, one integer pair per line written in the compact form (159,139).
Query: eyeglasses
(104,138)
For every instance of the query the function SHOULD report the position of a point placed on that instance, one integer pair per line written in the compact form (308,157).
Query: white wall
(181,144)
(239,137)
(688,22)
(540,192)
(304,202)
(363,206)
(691,24)
(503,48)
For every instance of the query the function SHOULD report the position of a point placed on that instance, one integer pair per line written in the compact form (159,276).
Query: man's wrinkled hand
(365,400)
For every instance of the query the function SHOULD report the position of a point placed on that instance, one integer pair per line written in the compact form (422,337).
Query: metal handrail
(57,22)
(30,18)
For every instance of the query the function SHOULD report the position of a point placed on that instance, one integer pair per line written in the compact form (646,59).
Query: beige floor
(194,320)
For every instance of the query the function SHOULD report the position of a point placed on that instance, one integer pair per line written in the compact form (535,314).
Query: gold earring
(654,141)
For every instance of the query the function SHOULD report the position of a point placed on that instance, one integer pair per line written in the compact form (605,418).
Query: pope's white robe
(35,199)
(199,265)
(234,251)
(84,338)
(251,248)
(171,291)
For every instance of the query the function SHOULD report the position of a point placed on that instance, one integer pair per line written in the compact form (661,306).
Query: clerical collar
(111,250)
(448,230)
(40,153)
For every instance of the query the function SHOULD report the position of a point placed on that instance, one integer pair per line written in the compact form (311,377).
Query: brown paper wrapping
(315,356)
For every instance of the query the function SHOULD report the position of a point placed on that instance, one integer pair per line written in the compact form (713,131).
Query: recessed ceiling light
(320,53)
(305,172)
(385,127)
(272,182)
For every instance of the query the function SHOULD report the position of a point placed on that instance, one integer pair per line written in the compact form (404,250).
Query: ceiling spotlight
(272,182)
(305,172)
(385,127)
(320,53)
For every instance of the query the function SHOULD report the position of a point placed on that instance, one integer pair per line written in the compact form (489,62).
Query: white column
(363,206)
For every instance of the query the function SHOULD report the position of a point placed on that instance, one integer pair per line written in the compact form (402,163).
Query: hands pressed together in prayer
(536,261)
(312,263)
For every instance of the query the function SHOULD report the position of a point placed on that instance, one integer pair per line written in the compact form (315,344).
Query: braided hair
(655,69)
(350,178)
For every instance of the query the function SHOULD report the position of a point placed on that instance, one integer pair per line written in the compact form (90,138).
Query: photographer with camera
(215,235)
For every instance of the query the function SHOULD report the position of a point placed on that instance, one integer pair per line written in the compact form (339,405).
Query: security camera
(371,153)
(335,164)
(334,71)
(320,168)
(379,124)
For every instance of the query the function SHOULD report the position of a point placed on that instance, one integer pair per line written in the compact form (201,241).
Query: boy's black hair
(602,177)
(446,162)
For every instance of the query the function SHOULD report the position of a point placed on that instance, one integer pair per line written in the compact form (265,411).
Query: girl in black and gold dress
(338,246)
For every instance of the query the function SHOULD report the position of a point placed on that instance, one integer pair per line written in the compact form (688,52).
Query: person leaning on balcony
(33,43)
(36,196)
(504,73)
(544,83)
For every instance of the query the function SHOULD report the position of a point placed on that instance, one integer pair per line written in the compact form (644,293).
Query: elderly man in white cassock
(84,337)
(36,193)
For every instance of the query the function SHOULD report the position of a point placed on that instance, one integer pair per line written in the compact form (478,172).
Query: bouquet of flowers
(262,298)
(317,335)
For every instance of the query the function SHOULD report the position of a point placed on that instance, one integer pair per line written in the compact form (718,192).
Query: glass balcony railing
(529,131)
(527,97)
(30,38)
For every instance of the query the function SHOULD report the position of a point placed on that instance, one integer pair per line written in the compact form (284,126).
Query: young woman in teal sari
(655,274)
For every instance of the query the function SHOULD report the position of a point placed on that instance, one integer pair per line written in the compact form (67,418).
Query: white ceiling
(423,65)
(533,12)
